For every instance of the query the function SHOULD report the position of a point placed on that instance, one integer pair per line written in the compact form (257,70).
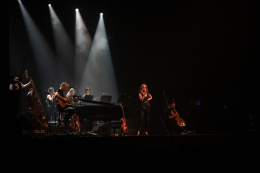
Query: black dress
(51,108)
(144,113)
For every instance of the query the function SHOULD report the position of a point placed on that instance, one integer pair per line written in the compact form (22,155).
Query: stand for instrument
(164,126)
(166,102)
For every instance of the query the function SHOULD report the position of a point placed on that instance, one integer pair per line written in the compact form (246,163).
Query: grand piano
(99,111)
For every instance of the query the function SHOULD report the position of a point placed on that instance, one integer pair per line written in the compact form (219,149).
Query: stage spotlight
(99,70)
(83,43)
(101,14)
(77,9)
(49,5)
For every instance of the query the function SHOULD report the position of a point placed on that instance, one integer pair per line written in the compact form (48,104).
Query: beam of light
(64,49)
(83,43)
(43,55)
(99,71)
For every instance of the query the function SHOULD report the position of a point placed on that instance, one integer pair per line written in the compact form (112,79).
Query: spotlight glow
(99,71)
(101,14)
(49,5)
(77,9)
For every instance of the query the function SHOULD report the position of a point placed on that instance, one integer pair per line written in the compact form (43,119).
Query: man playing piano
(87,92)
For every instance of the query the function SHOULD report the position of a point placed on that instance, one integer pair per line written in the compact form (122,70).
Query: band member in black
(60,95)
(170,115)
(144,97)
(15,84)
(51,103)
(61,101)
(87,92)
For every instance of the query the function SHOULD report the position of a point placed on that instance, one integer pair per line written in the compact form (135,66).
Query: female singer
(144,97)
(51,102)
(51,94)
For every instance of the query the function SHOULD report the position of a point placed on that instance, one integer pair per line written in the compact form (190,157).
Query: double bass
(38,110)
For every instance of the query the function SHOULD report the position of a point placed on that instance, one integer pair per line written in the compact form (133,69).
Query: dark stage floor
(179,152)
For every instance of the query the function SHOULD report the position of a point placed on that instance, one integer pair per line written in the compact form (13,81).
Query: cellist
(170,116)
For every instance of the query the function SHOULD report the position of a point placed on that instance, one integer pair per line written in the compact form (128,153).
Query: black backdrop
(192,50)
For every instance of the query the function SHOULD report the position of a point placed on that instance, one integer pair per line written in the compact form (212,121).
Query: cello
(74,125)
(124,128)
(38,110)
(175,114)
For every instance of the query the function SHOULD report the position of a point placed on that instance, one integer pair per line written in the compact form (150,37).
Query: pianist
(87,92)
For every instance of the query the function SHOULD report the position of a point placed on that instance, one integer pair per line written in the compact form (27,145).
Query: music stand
(106,99)
(89,97)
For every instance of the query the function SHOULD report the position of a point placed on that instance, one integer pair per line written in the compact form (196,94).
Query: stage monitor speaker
(102,129)
(106,99)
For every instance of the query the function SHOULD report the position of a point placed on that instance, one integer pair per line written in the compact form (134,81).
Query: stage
(196,151)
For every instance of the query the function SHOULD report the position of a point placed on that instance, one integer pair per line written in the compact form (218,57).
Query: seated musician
(70,95)
(15,85)
(62,101)
(169,118)
(60,96)
(87,92)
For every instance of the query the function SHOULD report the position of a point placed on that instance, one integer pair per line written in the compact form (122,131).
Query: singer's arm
(50,97)
(11,87)
(150,97)
(141,98)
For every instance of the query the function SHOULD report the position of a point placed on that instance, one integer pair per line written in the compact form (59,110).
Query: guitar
(62,102)
(124,128)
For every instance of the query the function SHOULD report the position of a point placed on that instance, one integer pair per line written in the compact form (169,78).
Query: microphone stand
(20,90)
